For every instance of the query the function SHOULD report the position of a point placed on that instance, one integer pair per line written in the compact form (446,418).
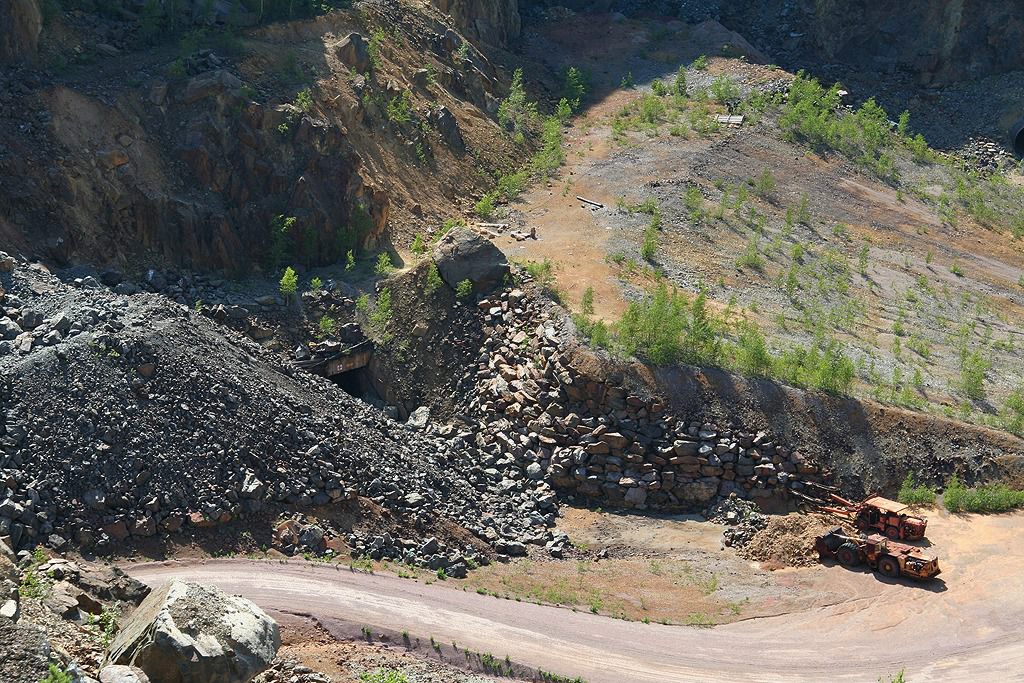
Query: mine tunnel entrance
(1017,137)
(355,382)
(346,367)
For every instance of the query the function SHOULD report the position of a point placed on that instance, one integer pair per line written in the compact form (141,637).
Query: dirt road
(964,628)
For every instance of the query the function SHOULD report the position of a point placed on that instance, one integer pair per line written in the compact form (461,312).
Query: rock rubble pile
(741,518)
(594,438)
(124,417)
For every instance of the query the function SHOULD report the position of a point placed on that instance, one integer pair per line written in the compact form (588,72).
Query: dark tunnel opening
(1017,136)
(355,383)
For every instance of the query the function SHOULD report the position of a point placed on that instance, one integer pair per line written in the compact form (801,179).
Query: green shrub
(543,272)
(550,156)
(751,354)
(376,47)
(564,111)
(304,100)
(649,248)
(511,185)
(380,317)
(694,202)
(575,87)
(289,283)
(464,289)
(666,328)
(751,257)
(486,207)
(764,186)
(823,366)
(912,493)
(350,260)
(384,676)
(316,284)
(627,81)
(516,113)
(700,64)
(1013,412)
(419,245)
(587,302)
(1017,227)
(327,326)
(803,212)
(680,83)
(56,675)
(33,584)
(280,239)
(434,281)
(973,367)
(812,115)
(724,90)
(982,499)
(651,110)
(384,266)
(658,88)
(399,108)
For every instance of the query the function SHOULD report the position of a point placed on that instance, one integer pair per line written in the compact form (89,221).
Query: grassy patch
(982,499)
(912,493)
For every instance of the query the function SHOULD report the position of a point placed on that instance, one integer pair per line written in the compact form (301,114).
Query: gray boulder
(354,51)
(9,329)
(123,674)
(419,418)
(445,124)
(463,255)
(188,633)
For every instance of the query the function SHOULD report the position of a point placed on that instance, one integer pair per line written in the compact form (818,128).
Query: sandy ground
(858,626)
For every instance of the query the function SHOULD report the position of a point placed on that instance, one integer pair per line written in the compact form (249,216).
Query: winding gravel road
(965,628)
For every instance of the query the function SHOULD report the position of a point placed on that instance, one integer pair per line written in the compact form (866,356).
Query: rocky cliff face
(493,21)
(104,180)
(20,25)
(131,157)
(942,41)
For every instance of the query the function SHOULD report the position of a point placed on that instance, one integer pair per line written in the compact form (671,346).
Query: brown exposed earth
(959,627)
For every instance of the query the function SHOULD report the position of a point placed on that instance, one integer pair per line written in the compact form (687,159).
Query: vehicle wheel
(848,555)
(893,533)
(889,566)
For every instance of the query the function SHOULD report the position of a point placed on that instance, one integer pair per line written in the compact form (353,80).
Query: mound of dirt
(788,541)
(125,417)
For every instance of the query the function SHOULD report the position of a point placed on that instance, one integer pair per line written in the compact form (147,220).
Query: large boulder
(463,255)
(188,633)
(354,51)
(123,674)
(20,25)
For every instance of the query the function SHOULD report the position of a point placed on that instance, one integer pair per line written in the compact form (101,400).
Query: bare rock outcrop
(188,633)
(951,41)
(463,255)
(21,22)
(493,21)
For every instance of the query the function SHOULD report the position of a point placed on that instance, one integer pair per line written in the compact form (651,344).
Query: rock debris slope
(129,416)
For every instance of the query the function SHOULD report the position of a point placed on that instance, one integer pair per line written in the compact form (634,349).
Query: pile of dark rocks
(741,518)
(127,417)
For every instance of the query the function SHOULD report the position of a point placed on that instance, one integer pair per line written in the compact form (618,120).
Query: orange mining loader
(878,552)
(874,513)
